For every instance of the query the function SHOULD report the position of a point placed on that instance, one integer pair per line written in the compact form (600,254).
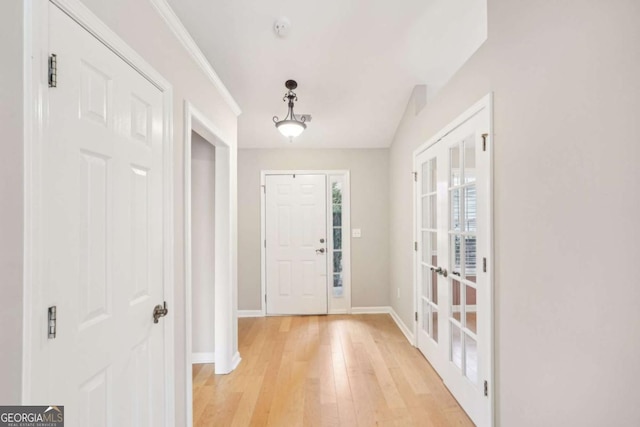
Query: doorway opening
(211,320)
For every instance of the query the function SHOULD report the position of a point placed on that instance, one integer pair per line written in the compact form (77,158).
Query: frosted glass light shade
(291,128)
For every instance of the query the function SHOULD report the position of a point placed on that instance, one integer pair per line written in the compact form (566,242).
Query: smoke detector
(282,27)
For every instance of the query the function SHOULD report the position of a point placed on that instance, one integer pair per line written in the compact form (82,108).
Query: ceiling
(355,61)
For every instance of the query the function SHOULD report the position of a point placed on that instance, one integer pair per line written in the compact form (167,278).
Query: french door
(453,244)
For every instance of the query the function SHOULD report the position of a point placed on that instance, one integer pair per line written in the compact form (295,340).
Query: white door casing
(453,234)
(296,248)
(103,240)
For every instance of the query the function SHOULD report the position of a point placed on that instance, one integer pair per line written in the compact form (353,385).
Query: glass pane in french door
(429,248)
(463,351)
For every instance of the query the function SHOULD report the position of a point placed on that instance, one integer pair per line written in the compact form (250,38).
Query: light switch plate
(356,232)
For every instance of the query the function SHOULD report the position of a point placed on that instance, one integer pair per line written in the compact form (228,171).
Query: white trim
(339,311)
(235,361)
(224,313)
(485,102)
(250,313)
(36,46)
(181,33)
(346,247)
(403,328)
(385,309)
(200,358)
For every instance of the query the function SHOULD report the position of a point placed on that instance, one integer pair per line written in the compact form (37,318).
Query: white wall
(11,206)
(203,157)
(567,203)
(369,212)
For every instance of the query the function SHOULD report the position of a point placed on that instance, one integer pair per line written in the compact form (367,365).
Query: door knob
(320,251)
(159,311)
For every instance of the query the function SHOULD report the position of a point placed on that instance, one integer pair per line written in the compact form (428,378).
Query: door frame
(346,243)
(225,311)
(485,103)
(36,103)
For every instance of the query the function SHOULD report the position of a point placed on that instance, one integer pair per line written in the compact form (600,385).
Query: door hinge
(53,70)
(415,176)
(484,141)
(486,388)
(416,316)
(264,189)
(415,246)
(484,265)
(52,321)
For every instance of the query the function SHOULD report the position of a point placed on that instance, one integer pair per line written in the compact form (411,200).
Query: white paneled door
(296,250)
(103,235)
(453,284)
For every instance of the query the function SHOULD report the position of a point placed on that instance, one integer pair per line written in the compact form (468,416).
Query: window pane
(337,215)
(337,280)
(470,160)
(456,300)
(337,238)
(470,217)
(433,175)
(434,324)
(426,280)
(455,210)
(455,255)
(471,358)
(425,316)
(470,257)
(470,310)
(337,262)
(336,191)
(455,166)
(456,345)
(433,213)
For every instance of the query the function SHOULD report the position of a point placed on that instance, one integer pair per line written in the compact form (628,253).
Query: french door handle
(441,271)
(320,251)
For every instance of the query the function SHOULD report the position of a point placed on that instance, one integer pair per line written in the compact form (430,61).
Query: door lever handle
(320,251)
(441,271)
(159,311)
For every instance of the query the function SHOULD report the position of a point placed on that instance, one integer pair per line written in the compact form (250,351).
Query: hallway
(339,370)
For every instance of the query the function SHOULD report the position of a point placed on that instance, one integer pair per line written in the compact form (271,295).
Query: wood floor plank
(342,370)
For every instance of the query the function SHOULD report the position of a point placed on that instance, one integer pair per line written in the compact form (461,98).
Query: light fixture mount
(290,126)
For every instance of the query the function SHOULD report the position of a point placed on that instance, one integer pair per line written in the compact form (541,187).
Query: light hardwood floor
(340,370)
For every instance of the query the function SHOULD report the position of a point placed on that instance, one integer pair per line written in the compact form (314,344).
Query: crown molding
(178,29)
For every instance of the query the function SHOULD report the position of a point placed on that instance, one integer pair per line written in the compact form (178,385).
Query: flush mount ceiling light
(291,126)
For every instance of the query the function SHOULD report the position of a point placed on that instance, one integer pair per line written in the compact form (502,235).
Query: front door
(453,284)
(296,250)
(102,236)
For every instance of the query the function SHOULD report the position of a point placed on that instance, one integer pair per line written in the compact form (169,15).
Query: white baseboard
(250,313)
(371,310)
(235,361)
(408,333)
(197,358)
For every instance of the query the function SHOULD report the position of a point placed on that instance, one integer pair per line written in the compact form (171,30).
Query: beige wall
(369,211)
(11,209)
(567,203)
(140,26)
